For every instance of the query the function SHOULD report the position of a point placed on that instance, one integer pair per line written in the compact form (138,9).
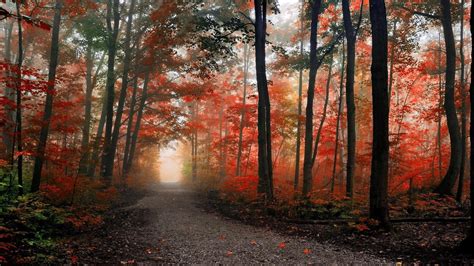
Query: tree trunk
(459,193)
(8,128)
(48,108)
(87,112)
(308,145)
(108,163)
(18,130)
(96,147)
(112,32)
(242,113)
(447,184)
(300,105)
(351,123)
(380,144)
(128,135)
(141,108)
(323,118)
(265,180)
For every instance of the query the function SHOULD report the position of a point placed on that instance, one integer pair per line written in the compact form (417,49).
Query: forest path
(188,234)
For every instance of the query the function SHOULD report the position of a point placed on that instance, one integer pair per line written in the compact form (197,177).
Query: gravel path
(190,235)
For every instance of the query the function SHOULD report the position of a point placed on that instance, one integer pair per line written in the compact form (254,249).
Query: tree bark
(351,123)
(380,145)
(108,163)
(112,32)
(265,172)
(48,109)
(447,184)
(308,145)
(8,129)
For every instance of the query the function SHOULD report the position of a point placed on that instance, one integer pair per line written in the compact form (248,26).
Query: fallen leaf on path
(307,251)
(253,242)
(282,245)
(229,253)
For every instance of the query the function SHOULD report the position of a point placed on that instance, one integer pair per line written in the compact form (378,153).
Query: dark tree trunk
(300,105)
(136,130)
(128,135)
(265,180)
(459,193)
(242,113)
(108,163)
(112,32)
(48,108)
(447,184)
(308,146)
(380,144)
(351,123)
(18,131)
(87,112)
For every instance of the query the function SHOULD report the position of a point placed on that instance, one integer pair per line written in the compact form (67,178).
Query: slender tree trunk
(195,114)
(110,158)
(128,135)
(48,109)
(112,32)
(8,129)
(265,181)
(447,184)
(440,114)
(459,193)
(308,146)
(351,122)
(323,118)
(300,105)
(242,113)
(141,108)
(18,131)
(96,146)
(338,120)
(380,144)
(87,112)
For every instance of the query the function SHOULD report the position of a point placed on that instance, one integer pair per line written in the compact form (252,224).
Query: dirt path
(188,234)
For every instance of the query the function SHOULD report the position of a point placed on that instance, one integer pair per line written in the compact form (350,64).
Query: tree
(313,68)
(447,184)
(108,160)
(351,37)
(112,33)
(18,131)
(380,110)
(265,169)
(48,109)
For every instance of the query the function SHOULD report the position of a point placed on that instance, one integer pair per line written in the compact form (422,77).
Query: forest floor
(172,224)
(408,242)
